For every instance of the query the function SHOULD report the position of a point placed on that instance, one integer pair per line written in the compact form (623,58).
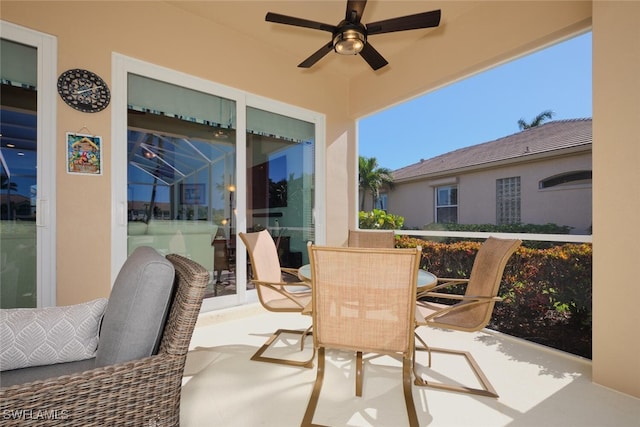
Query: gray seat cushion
(134,319)
(34,373)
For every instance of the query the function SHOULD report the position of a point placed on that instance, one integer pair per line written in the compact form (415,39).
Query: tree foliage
(537,121)
(371,178)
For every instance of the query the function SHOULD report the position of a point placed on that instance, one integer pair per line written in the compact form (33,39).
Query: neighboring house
(538,176)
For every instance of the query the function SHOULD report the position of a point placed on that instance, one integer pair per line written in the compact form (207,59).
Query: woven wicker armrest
(143,392)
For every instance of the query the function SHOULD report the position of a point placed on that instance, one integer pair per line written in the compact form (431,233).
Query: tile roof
(544,139)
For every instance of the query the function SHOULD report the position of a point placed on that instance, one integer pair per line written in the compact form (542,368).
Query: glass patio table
(426,280)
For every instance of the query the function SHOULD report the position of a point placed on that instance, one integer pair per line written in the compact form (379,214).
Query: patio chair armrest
(465,303)
(442,283)
(460,297)
(266,283)
(290,271)
(281,287)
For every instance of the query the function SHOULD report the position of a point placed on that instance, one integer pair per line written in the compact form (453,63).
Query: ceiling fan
(350,36)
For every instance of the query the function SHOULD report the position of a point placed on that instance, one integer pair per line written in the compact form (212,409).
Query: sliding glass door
(205,162)
(281,181)
(181,176)
(27,168)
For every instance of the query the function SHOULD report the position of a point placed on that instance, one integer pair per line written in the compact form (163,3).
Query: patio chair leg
(304,335)
(408,394)
(307,421)
(359,371)
(419,380)
(486,390)
(424,347)
(258,356)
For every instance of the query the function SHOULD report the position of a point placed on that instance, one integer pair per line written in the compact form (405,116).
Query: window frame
(437,206)
(46,245)
(567,179)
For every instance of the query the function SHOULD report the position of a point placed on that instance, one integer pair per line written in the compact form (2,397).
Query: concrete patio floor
(538,386)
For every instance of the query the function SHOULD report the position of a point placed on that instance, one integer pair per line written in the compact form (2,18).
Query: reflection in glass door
(18,175)
(281,182)
(181,176)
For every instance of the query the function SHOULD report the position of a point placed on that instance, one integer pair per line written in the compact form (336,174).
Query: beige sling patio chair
(363,301)
(371,239)
(274,292)
(472,311)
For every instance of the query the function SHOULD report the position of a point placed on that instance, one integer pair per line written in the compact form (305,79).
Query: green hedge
(549,228)
(542,289)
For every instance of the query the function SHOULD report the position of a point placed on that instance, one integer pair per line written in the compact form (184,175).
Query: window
(508,200)
(381,203)
(576,177)
(447,204)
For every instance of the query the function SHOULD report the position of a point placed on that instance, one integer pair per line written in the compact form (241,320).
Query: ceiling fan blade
(355,9)
(373,58)
(410,22)
(298,22)
(317,56)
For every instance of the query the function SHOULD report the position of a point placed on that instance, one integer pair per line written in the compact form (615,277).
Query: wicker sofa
(142,391)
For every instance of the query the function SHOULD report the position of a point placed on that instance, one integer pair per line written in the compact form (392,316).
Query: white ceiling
(248,18)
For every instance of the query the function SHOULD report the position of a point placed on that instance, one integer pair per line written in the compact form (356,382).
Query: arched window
(567,178)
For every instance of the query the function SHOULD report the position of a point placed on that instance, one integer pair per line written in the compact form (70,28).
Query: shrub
(545,291)
(504,228)
(379,219)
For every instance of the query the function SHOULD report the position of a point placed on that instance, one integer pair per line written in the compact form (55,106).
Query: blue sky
(484,107)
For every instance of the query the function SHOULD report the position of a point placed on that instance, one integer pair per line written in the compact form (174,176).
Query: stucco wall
(563,205)
(616,195)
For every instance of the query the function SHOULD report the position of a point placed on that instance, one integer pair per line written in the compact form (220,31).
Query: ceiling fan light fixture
(349,42)
(350,36)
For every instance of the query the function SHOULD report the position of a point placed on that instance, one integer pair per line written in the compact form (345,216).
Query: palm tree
(371,177)
(547,114)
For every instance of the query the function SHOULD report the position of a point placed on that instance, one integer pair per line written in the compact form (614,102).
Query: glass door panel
(18,176)
(181,176)
(281,182)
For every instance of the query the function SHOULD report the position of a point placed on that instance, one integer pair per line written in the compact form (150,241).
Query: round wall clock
(83,90)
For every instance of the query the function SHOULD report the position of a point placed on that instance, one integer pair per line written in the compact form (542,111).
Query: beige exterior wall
(413,201)
(563,205)
(159,33)
(616,195)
